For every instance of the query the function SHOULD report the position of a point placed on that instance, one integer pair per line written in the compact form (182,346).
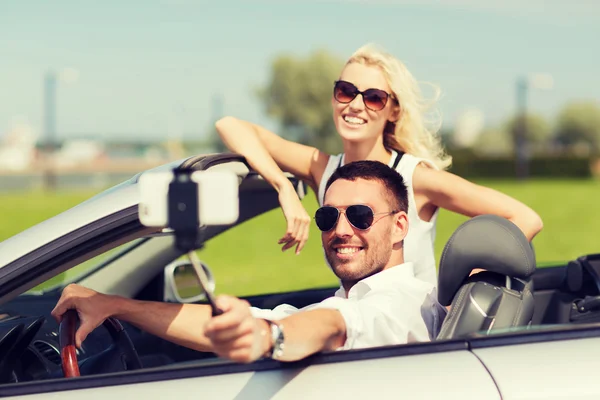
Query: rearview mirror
(181,283)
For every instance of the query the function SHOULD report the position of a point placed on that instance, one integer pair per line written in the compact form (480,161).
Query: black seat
(501,296)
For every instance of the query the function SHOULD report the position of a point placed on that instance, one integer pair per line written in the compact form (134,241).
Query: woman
(379,114)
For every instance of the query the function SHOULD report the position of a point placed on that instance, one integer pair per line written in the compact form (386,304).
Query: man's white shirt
(387,308)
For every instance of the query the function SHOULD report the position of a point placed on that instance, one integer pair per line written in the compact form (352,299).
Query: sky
(149,68)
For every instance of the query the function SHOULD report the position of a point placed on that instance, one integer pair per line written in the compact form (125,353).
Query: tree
(493,141)
(499,140)
(298,95)
(537,130)
(579,123)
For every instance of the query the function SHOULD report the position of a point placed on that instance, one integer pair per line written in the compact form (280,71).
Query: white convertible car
(513,332)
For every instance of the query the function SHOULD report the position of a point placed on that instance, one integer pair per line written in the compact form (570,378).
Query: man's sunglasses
(374,99)
(360,216)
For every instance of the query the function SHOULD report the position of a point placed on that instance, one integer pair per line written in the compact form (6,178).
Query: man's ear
(400,228)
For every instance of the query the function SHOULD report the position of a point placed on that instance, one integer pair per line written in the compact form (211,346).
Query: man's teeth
(354,120)
(347,250)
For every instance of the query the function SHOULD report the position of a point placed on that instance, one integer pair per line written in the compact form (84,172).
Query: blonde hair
(413,133)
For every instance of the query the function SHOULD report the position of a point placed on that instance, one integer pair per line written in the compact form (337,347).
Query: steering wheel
(121,351)
(10,356)
(7,342)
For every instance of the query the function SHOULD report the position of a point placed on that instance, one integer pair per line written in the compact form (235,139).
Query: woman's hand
(298,221)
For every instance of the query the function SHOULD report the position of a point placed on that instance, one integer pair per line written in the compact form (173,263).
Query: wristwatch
(277,340)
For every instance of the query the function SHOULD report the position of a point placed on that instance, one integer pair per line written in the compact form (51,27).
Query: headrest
(489,242)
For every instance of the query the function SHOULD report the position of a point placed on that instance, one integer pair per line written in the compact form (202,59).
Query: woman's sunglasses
(360,216)
(374,99)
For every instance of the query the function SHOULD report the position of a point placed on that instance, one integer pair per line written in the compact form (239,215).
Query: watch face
(274,333)
(277,340)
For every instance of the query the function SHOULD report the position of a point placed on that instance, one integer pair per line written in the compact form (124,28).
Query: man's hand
(236,334)
(93,308)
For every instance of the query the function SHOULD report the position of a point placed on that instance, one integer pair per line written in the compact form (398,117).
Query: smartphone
(218,197)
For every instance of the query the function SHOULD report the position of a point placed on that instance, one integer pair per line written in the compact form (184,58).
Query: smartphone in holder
(184,200)
(217,194)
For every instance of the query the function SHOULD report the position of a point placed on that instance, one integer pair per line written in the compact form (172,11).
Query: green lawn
(247,259)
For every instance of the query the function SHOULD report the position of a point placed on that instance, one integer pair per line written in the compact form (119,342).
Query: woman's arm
(454,193)
(270,155)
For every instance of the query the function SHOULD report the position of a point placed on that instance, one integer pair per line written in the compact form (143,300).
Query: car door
(552,363)
(422,371)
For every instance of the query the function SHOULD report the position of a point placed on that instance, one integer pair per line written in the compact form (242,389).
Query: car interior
(143,264)
(500,296)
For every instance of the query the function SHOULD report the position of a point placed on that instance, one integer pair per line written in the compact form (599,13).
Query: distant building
(79,152)
(17,149)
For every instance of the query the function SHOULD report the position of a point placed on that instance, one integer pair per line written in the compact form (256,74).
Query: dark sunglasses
(360,216)
(374,99)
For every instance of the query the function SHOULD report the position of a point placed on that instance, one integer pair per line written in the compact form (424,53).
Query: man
(380,302)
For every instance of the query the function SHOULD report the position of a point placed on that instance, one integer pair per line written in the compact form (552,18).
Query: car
(513,331)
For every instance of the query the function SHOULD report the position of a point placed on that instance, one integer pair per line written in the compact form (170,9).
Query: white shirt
(388,308)
(419,242)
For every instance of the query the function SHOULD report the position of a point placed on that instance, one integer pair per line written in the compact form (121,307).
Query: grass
(247,260)
(21,210)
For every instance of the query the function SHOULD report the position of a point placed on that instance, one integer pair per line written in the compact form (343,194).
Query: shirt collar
(381,280)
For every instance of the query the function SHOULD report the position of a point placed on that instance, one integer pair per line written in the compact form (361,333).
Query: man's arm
(238,335)
(179,323)
(312,331)
(235,334)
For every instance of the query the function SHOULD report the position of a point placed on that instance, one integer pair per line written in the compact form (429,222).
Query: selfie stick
(203,281)
(184,220)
